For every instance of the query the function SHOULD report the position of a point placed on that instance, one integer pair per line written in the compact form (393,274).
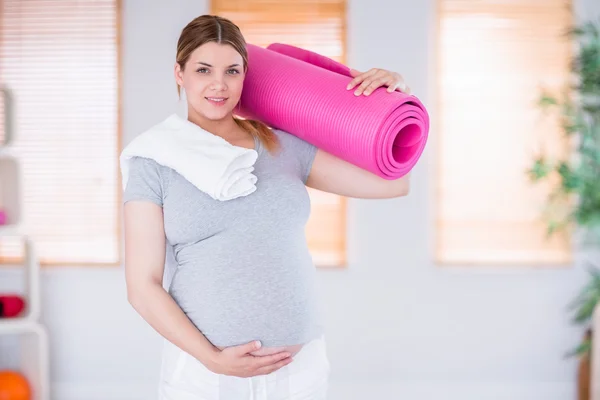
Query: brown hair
(212,28)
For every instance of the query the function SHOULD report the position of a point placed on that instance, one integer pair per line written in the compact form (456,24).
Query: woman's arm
(334,175)
(144,265)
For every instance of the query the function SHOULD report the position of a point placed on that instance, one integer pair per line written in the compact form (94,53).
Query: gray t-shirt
(243,268)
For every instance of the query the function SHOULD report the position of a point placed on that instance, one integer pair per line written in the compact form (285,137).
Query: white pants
(305,378)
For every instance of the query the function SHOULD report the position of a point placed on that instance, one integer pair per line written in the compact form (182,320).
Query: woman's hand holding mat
(375,78)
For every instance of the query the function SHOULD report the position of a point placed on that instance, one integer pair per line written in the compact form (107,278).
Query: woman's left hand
(374,78)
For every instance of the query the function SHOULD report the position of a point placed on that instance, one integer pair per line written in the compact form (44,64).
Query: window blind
(60,60)
(319,26)
(495,57)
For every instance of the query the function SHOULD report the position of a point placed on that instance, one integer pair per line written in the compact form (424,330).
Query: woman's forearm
(159,309)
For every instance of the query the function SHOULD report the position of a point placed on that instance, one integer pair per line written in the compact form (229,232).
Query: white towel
(208,161)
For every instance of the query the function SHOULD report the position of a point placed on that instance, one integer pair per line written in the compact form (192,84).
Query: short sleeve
(144,181)
(303,151)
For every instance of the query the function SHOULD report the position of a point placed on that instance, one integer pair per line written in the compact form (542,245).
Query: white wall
(398,326)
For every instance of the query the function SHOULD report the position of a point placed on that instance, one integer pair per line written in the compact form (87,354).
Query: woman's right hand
(237,361)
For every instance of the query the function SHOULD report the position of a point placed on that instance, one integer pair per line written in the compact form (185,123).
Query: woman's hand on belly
(267,351)
(240,361)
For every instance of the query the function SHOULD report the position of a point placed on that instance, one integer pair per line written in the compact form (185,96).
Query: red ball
(11,305)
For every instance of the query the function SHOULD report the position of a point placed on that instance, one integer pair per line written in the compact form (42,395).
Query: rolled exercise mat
(304,93)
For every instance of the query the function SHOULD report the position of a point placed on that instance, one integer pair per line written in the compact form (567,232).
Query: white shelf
(10,189)
(7,104)
(31,294)
(33,352)
(15,326)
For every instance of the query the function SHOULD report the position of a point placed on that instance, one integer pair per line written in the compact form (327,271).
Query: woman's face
(213,78)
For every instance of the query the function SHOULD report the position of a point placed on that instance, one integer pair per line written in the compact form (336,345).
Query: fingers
(238,361)
(273,367)
(247,348)
(354,73)
(397,85)
(369,81)
(373,82)
(266,361)
(360,78)
(371,85)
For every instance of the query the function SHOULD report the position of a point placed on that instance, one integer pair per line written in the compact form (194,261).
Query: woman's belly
(233,305)
(278,325)
(265,351)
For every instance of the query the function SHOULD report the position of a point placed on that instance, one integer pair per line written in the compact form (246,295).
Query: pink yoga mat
(304,93)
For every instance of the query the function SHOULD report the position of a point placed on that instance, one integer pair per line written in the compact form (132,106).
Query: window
(318,26)
(494,59)
(59,59)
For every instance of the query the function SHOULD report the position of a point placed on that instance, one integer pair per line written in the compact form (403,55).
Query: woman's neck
(226,127)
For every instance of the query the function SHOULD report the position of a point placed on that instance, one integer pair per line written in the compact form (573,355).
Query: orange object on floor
(14,386)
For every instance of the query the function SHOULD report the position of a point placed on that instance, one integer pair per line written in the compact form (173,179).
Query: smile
(216,100)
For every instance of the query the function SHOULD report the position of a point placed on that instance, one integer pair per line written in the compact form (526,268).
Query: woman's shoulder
(150,170)
(146,180)
(140,163)
(289,140)
(297,149)
(281,134)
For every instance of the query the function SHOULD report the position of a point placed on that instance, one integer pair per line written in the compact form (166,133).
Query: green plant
(574,201)
(576,197)
(583,307)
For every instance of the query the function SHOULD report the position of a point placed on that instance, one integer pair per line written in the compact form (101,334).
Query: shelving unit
(32,353)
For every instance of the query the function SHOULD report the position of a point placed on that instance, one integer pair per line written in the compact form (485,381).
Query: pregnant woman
(240,319)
